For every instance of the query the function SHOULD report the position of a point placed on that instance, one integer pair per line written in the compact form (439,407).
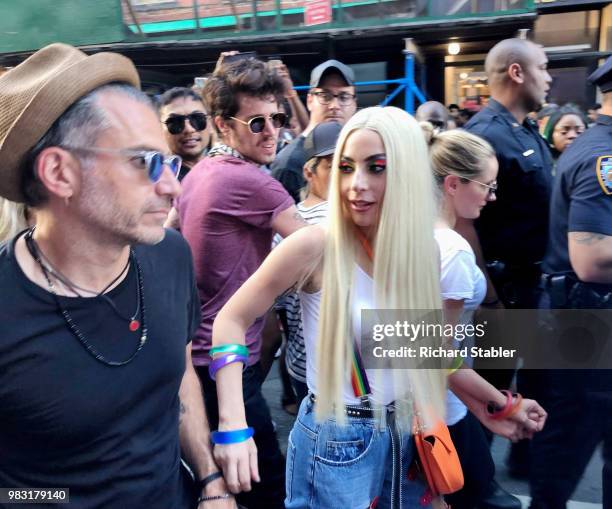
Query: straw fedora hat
(34,95)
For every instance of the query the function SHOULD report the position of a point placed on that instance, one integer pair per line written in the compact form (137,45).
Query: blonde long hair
(406,261)
(12,219)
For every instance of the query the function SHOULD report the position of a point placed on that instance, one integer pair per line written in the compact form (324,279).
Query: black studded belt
(358,411)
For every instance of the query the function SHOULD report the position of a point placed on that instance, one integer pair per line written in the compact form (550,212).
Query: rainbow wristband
(231,437)
(236,348)
(221,362)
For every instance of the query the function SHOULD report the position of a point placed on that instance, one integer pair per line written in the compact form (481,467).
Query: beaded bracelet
(236,348)
(208,498)
(221,362)
(231,437)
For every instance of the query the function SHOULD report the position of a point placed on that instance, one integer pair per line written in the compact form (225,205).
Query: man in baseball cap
(97,389)
(331,99)
(319,147)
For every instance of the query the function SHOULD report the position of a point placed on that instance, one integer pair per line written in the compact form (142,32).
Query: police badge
(604,173)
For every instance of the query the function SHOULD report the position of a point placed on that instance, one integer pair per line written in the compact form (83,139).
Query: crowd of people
(157,253)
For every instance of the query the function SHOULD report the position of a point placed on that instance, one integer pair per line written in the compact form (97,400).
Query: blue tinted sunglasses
(151,160)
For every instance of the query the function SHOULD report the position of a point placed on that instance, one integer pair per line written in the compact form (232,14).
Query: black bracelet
(204,498)
(208,479)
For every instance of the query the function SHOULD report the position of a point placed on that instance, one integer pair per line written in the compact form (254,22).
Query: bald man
(512,231)
(433,112)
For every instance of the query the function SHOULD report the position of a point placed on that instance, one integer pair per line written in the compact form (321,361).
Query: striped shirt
(295,357)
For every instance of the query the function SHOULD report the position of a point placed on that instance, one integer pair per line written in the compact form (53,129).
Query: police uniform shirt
(514,228)
(582,194)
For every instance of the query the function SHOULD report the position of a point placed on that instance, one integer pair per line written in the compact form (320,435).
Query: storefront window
(568,29)
(466,85)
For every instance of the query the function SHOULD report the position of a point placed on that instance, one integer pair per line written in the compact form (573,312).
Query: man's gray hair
(79,126)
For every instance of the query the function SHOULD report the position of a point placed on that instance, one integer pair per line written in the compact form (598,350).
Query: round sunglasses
(176,123)
(151,160)
(258,124)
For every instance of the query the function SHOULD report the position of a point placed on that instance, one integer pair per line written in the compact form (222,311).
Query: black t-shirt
(514,227)
(110,434)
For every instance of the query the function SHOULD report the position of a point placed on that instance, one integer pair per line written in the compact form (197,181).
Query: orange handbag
(438,458)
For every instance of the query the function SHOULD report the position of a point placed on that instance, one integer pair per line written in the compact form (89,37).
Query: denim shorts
(333,466)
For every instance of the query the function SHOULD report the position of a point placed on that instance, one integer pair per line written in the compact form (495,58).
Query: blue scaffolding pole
(407,84)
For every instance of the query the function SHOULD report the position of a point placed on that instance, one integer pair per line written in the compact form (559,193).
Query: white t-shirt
(381,381)
(460,279)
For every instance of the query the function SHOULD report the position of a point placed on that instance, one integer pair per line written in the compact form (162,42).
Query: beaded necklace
(36,254)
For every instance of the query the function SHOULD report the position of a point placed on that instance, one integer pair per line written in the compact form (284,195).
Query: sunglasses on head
(150,160)
(258,124)
(176,123)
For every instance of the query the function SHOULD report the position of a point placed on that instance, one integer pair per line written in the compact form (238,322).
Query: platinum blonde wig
(406,261)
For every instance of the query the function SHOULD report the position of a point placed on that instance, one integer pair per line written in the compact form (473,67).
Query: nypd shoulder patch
(604,173)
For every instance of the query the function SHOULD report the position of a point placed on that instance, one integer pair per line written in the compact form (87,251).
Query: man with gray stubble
(97,389)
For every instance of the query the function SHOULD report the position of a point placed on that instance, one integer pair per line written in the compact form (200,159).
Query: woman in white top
(341,453)
(465,169)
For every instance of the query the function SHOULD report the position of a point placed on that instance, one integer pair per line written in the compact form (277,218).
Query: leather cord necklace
(133,323)
(35,252)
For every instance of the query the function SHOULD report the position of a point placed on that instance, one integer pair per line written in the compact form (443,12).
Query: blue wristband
(231,437)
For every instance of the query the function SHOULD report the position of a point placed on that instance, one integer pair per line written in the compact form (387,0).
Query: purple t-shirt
(226,211)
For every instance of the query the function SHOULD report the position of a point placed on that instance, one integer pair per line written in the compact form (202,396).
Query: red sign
(317,12)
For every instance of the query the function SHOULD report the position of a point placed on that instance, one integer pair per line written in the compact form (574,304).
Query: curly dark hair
(248,76)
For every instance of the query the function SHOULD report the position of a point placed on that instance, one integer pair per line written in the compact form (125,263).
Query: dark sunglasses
(176,123)
(258,124)
(151,160)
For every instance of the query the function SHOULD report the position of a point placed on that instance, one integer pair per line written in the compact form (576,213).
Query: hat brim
(54,98)
(327,152)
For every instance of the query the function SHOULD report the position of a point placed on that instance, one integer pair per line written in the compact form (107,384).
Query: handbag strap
(359,377)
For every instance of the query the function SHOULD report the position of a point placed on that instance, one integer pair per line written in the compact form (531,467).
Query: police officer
(578,274)
(512,230)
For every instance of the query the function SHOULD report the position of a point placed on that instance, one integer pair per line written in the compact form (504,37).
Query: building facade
(173,41)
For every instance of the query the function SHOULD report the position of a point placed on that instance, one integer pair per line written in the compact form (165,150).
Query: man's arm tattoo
(297,216)
(182,410)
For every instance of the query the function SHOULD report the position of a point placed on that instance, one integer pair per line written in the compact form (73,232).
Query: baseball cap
(344,70)
(321,141)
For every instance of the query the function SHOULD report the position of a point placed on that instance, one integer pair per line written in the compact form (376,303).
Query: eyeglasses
(325,97)
(258,124)
(440,125)
(176,123)
(492,187)
(151,160)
